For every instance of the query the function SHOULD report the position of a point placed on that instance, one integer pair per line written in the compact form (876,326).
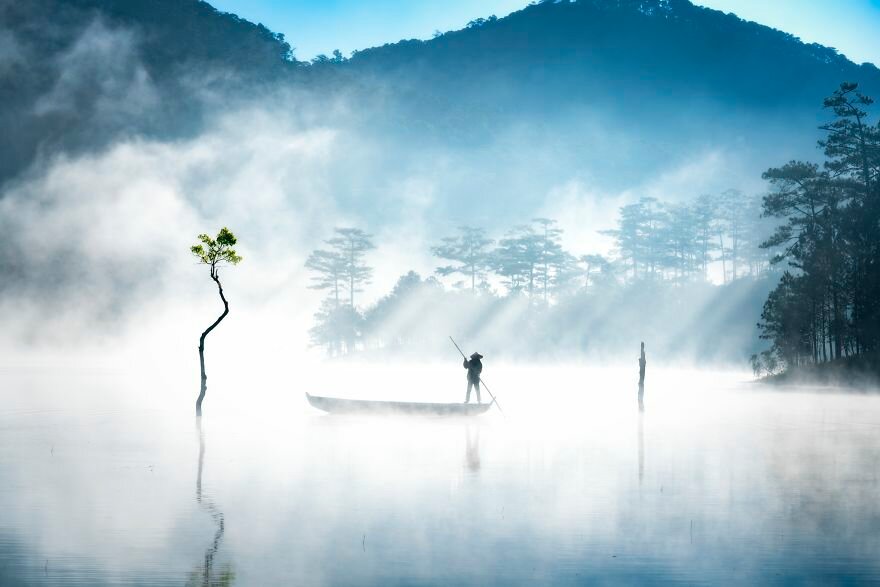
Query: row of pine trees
(819,226)
(654,243)
(827,304)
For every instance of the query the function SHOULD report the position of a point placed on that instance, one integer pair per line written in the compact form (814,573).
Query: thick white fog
(572,481)
(98,244)
(110,479)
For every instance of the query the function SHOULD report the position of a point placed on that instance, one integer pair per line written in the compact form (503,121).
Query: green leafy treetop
(215,252)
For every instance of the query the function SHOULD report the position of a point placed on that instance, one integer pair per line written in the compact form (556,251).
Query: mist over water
(571,484)
(119,154)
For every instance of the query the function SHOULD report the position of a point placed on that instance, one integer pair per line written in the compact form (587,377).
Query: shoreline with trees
(859,373)
(706,260)
(823,317)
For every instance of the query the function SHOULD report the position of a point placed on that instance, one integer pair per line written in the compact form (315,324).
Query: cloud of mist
(97,244)
(10,52)
(102,61)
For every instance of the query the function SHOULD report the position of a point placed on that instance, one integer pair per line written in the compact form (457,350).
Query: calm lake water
(108,479)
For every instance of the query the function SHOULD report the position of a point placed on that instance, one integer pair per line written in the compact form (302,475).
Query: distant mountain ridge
(668,72)
(593,49)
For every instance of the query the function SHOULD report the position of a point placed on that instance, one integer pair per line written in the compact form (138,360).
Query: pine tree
(470,251)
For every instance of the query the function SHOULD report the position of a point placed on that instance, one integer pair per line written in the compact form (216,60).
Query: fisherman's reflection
(472,447)
(205,575)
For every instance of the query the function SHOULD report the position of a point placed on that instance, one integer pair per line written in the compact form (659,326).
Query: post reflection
(641,447)
(205,574)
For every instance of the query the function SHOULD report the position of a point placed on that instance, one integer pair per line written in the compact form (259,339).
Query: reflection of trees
(205,575)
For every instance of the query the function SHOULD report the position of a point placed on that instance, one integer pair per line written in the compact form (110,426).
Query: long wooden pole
(486,387)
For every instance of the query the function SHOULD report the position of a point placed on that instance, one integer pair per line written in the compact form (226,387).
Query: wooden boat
(335,405)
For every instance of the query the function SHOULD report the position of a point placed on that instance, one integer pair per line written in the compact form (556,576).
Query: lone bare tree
(214,253)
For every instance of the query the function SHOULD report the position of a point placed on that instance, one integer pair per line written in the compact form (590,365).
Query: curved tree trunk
(204,386)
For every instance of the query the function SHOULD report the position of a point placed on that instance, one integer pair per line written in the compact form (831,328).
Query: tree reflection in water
(205,575)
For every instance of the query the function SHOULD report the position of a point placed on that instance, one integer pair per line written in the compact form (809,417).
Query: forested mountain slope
(75,74)
(664,76)
(642,54)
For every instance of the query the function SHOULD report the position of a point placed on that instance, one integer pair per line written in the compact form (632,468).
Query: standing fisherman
(474,368)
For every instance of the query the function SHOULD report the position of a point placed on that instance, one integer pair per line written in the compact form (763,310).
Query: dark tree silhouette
(214,253)
(828,305)
(852,150)
(851,144)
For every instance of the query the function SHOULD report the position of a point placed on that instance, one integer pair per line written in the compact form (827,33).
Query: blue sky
(319,26)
